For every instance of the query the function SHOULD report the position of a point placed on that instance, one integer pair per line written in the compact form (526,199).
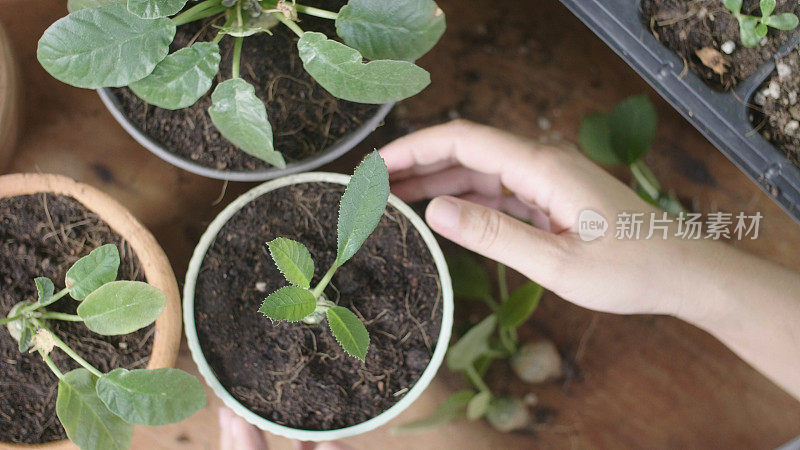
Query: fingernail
(444,212)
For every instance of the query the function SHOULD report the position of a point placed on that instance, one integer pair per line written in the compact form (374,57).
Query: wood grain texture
(643,381)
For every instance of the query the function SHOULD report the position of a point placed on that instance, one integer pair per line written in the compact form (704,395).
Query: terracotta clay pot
(9,100)
(156,266)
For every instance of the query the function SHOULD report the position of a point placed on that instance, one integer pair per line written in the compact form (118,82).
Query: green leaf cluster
(623,136)
(752,29)
(115,43)
(98,410)
(360,210)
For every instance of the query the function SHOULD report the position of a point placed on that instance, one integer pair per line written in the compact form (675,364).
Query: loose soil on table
(305,118)
(686,26)
(43,235)
(295,374)
(777,111)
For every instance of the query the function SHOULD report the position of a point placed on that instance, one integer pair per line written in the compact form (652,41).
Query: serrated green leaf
(470,280)
(340,70)
(361,206)
(594,139)
(471,346)
(44,288)
(88,422)
(448,410)
(153,9)
(289,303)
(104,47)
(122,307)
(151,396)
(181,78)
(77,5)
(391,29)
(349,331)
(785,21)
(92,271)
(478,405)
(520,305)
(633,128)
(293,260)
(242,118)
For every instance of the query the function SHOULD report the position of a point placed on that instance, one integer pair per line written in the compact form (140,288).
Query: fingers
(535,253)
(237,434)
(513,206)
(453,181)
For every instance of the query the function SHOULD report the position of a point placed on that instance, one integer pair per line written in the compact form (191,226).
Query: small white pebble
(261,286)
(123,345)
(774,90)
(530,399)
(791,127)
(783,69)
(760,97)
(763,41)
(702,13)
(792,97)
(728,47)
(544,123)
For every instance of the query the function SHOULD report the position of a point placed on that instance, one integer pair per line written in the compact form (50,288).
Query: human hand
(550,187)
(237,434)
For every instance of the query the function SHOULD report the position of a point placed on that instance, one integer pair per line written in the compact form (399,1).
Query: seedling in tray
(110,43)
(752,29)
(360,210)
(98,410)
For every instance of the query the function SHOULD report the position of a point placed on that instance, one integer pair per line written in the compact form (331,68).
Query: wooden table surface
(521,65)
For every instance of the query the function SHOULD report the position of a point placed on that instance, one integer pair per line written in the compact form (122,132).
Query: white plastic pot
(308,435)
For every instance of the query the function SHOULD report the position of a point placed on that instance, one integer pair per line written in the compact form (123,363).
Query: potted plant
(365,283)
(51,224)
(9,99)
(208,96)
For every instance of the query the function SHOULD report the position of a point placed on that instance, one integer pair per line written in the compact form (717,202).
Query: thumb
(537,254)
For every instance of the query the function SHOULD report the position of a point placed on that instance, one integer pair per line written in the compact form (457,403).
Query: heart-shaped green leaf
(293,260)
(153,9)
(88,422)
(181,78)
(44,288)
(242,118)
(122,307)
(470,280)
(472,345)
(92,271)
(349,331)
(520,305)
(391,29)
(448,410)
(151,396)
(289,303)
(594,138)
(478,405)
(340,70)
(633,128)
(104,47)
(76,5)
(361,206)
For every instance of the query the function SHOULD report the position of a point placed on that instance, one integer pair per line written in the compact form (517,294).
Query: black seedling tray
(723,117)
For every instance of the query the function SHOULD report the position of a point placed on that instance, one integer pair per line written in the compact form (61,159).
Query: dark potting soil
(43,235)
(305,118)
(776,108)
(295,374)
(686,26)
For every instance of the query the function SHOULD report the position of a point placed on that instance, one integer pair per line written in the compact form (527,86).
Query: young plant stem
(476,379)
(646,179)
(289,23)
(502,282)
(60,316)
(237,57)
(6,320)
(201,11)
(222,34)
(68,350)
(508,339)
(51,364)
(308,10)
(323,283)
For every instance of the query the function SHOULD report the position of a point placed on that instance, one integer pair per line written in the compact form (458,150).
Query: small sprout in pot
(753,29)
(537,362)
(111,43)
(360,210)
(98,410)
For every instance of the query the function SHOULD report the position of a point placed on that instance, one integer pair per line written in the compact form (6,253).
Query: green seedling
(623,137)
(360,210)
(493,339)
(98,410)
(752,29)
(114,43)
